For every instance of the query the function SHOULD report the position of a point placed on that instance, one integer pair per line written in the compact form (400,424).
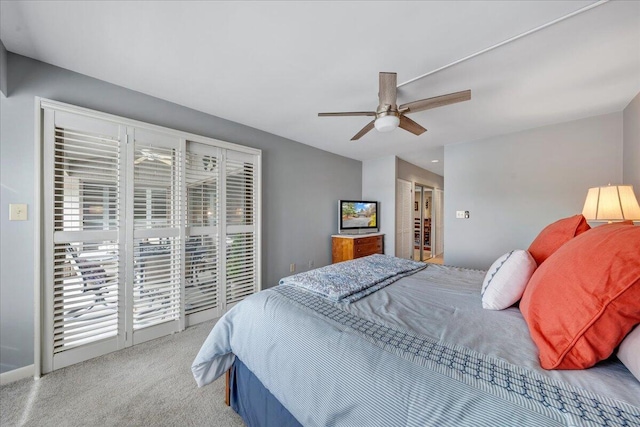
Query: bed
(418,351)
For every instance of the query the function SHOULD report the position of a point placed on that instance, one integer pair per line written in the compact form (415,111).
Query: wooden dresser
(345,246)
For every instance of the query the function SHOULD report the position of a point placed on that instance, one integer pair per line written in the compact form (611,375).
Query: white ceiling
(275,65)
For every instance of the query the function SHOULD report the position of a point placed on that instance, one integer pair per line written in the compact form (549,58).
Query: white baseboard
(17,374)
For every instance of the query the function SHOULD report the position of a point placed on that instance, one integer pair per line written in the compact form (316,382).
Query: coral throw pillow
(555,235)
(583,300)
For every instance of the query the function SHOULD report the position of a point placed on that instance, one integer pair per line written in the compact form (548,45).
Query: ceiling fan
(389,115)
(146,154)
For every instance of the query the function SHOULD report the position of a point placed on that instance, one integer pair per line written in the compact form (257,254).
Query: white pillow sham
(629,352)
(506,279)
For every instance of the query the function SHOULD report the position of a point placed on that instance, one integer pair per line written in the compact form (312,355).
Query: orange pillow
(555,235)
(583,300)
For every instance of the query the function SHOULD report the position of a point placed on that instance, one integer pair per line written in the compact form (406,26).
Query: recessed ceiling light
(435,161)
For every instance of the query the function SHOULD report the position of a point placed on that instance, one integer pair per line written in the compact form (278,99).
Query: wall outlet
(459,214)
(17,212)
(292,268)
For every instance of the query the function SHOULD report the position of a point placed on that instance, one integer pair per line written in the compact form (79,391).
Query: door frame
(40,104)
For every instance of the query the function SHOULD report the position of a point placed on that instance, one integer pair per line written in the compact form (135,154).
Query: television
(358,217)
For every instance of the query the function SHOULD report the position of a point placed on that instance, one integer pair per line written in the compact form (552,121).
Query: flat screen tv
(358,216)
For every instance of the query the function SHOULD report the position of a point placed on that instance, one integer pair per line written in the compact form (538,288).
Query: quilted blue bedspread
(351,280)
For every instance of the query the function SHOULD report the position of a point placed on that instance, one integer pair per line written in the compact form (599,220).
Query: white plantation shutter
(157,222)
(202,274)
(146,231)
(85,293)
(241,266)
(241,238)
(202,253)
(82,280)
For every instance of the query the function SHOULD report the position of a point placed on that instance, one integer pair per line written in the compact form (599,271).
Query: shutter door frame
(45,112)
(229,157)
(52,359)
(173,233)
(205,309)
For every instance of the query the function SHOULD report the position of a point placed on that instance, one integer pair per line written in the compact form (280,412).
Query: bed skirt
(253,402)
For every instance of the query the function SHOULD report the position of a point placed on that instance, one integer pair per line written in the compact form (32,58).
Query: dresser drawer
(346,248)
(367,241)
(367,246)
(364,250)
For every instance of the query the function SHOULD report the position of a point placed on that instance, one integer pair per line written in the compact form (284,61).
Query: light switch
(17,212)
(462,214)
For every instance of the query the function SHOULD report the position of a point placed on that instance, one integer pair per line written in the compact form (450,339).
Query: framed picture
(415,206)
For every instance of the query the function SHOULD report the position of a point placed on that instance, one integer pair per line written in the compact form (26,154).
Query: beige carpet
(146,385)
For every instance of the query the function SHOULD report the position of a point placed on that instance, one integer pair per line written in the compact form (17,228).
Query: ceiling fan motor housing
(386,120)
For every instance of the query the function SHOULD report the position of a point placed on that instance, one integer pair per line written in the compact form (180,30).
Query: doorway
(423,223)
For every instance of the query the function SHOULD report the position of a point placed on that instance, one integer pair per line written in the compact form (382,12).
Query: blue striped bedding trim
(521,386)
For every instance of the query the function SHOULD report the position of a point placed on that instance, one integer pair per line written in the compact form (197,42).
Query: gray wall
(410,172)
(300,185)
(3,69)
(516,184)
(631,145)
(379,183)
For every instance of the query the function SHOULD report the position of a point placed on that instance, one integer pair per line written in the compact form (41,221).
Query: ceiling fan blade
(353,113)
(435,102)
(139,160)
(409,125)
(363,131)
(387,94)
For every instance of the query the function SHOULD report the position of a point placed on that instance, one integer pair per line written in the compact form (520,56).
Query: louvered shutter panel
(157,218)
(241,237)
(82,223)
(202,254)
(85,293)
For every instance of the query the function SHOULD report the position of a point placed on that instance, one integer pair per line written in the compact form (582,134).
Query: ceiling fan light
(387,123)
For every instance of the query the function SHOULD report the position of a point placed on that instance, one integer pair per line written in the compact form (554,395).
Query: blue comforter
(359,365)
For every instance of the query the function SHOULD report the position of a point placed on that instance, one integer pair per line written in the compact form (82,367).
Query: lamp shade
(611,203)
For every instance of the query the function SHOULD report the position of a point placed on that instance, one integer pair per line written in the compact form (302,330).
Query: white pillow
(506,279)
(629,352)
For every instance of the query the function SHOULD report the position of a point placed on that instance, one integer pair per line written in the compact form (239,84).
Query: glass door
(422,222)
